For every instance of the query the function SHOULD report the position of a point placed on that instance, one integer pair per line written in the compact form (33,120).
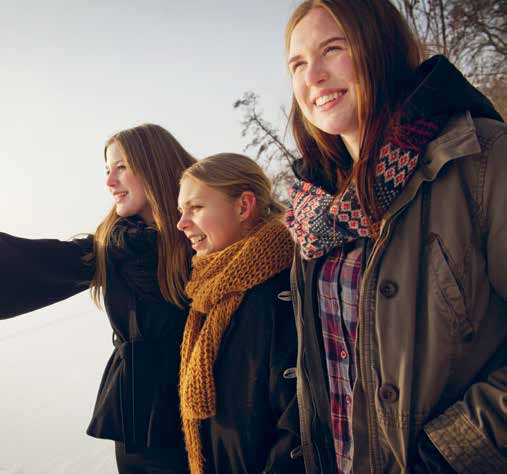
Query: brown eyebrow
(321,45)
(115,163)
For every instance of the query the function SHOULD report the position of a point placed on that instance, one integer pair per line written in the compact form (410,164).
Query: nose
(111,180)
(182,223)
(316,72)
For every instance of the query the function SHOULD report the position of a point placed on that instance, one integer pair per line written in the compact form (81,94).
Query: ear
(246,202)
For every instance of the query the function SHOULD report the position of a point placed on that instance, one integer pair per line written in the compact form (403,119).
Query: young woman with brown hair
(398,214)
(237,386)
(138,263)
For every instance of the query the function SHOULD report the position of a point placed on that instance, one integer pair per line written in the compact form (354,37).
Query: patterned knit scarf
(217,286)
(319,221)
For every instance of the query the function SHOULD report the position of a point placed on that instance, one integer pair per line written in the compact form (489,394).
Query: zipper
(365,361)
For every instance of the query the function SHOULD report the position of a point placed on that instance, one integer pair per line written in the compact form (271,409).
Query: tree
(472,34)
(270,151)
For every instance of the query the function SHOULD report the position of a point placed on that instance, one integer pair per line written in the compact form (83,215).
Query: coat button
(388,288)
(285,295)
(388,393)
(290,373)
(296,453)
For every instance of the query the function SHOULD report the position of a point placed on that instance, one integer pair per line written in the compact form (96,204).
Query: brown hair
(156,156)
(385,55)
(233,174)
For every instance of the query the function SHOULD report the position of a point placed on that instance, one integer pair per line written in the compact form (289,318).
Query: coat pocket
(449,293)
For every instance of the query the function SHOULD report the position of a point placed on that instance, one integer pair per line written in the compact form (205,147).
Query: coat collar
(457,139)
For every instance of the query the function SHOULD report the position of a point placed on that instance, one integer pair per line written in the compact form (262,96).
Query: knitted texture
(463,445)
(319,221)
(217,287)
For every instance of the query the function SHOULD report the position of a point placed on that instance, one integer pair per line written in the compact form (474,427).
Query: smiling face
(126,187)
(323,77)
(210,219)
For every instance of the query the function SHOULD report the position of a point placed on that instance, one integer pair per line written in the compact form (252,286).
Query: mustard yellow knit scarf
(217,286)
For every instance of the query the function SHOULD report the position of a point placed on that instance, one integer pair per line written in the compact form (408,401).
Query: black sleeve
(37,273)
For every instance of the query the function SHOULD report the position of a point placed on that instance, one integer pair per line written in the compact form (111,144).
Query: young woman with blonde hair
(237,386)
(399,286)
(137,263)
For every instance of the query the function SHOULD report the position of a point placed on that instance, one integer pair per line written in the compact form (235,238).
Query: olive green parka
(432,334)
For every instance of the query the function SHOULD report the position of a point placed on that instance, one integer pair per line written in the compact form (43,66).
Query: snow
(51,364)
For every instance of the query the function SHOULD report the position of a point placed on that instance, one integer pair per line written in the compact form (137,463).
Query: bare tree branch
(271,152)
(471,33)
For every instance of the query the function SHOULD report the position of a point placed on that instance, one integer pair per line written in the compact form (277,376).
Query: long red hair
(385,54)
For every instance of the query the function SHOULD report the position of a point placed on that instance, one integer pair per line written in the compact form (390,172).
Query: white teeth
(324,99)
(118,196)
(195,240)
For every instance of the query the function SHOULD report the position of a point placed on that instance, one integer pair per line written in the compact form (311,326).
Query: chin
(338,125)
(127,212)
(331,129)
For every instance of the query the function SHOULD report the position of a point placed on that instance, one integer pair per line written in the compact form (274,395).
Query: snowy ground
(51,362)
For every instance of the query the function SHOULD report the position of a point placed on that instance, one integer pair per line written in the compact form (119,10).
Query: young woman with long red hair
(399,283)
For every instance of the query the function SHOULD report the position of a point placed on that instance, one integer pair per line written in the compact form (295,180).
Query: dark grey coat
(256,428)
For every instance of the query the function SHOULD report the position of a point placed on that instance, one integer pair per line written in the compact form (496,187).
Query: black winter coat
(137,402)
(256,427)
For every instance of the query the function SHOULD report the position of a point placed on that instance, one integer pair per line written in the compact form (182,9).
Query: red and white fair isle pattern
(319,221)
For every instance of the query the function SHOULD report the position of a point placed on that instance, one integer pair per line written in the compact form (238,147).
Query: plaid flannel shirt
(338,286)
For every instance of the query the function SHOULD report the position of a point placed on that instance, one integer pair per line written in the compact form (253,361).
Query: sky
(72,74)
(75,72)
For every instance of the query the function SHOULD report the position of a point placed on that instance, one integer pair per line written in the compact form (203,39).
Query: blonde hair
(153,154)
(385,54)
(234,174)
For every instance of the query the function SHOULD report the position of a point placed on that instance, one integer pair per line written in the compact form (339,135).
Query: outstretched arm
(37,273)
